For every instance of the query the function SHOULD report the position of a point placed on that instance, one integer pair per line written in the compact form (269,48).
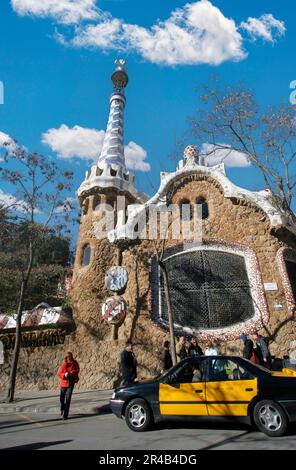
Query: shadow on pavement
(19,423)
(104,410)
(228,426)
(36,445)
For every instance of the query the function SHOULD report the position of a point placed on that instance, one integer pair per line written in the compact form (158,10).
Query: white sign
(270,286)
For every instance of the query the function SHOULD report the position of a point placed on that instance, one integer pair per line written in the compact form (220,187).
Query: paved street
(106,432)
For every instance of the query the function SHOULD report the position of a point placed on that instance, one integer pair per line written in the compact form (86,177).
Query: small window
(111,203)
(85,205)
(186,210)
(86,254)
(204,207)
(97,203)
(113,172)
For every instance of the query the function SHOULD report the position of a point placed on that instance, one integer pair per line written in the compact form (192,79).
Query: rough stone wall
(92,343)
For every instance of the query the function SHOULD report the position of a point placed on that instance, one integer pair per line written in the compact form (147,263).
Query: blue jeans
(65,399)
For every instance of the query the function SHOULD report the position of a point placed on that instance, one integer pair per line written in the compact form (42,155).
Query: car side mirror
(172,380)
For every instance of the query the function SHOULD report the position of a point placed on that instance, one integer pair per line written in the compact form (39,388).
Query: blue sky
(56,67)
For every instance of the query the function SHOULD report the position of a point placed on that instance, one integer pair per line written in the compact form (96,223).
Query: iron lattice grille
(291,269)
(209,289)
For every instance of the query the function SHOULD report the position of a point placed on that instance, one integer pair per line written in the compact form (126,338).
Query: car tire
(138,415)
(270,418)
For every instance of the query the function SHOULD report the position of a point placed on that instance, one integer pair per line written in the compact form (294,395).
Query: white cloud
(63,11)
(67,206)
(12,202)
(77,141)
(198,33)
(135,157)
(6,142)
(222,153)
(87,144)
(105,35)
(266,27)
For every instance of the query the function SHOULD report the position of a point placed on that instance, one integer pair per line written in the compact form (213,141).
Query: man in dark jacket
(128,364)
(194,349)
(166,358)
(248,347)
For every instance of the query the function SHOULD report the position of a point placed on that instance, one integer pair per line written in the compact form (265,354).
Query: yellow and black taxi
(215,386)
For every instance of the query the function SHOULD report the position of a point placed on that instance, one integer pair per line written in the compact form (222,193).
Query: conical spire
(110,170)
(113,145)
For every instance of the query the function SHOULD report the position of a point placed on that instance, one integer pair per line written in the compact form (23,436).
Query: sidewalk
(47,401)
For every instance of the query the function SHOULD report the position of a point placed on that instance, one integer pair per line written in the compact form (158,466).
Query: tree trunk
(18,329)
(170,311)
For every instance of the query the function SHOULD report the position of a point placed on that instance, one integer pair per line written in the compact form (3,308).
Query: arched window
(186,210)
(97,203)
(209,289)
(204,210)
(86,254)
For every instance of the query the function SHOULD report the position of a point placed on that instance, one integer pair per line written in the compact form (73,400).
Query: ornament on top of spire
(120,77)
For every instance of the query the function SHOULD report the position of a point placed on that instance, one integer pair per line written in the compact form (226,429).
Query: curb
(95,409)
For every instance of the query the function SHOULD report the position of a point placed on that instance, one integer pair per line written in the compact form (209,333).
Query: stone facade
(237,221)
(94,342)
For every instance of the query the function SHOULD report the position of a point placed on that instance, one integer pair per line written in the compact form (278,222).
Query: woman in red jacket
(68,375)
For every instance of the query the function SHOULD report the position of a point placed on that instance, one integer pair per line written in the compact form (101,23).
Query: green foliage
(51,258)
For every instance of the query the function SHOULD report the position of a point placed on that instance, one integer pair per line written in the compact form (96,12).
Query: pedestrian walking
(128,364)
(68,375)
(194,348)
(263,351)
(166,358)
(249,351)
(211,349)
(181,350)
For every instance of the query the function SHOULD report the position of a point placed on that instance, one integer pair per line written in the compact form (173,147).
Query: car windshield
(260,367)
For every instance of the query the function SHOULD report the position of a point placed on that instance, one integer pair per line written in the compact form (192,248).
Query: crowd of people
(258,353)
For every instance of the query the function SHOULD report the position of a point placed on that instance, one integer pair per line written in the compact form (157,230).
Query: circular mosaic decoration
(114,310)
(116,278)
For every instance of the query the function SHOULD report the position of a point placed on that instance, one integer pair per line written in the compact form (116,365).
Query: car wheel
(138,415)
(270,418)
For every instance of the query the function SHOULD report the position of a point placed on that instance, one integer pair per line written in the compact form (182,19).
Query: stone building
(238,275)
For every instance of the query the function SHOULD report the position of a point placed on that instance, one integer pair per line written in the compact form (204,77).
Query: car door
(183,392)
(229,388)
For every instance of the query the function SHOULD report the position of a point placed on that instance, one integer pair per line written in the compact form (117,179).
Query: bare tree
(159,254)
(39,188)
(230,119)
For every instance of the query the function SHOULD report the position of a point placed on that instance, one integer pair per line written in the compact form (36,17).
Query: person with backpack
(68,375)
(263,351)
(249,351)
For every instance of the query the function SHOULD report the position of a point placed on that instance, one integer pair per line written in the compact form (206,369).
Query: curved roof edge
(260,198)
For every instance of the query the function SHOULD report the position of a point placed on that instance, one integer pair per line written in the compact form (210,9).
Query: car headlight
(113,396)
